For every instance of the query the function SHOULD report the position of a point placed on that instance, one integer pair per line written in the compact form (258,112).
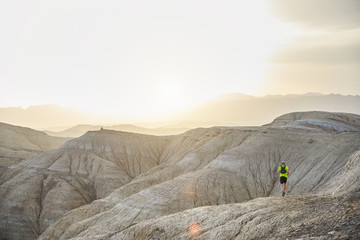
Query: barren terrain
(208,183)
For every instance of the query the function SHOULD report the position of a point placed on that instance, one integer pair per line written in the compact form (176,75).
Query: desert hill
(333,213)
(18,143)
(106,183)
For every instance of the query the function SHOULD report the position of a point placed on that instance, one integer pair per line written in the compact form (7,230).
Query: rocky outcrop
(306,216)
(349,179)
(38,191)
(117,185)
(295,217)
(233,165)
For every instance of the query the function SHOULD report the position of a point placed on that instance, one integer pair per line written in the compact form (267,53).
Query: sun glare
(168,97)
(221,50)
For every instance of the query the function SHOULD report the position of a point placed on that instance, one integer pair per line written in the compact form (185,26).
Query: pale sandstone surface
(225,165)
(26,138)
(335,215)
(18,143)
(106,183)
(38,191)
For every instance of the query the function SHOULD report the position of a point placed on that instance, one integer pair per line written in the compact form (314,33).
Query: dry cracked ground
(213,183)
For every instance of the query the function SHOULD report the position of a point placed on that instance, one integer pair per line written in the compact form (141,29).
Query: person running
(284,173)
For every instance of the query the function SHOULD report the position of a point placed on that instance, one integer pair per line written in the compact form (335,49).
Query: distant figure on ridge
(284,172)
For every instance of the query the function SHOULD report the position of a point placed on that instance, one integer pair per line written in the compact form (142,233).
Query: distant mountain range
(243,110)
(231,109)
(44,116)
(79,130)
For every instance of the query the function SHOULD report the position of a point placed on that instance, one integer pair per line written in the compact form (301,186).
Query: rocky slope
(241,170)
(335,215)
(18,143)
(38,191)
(135,182)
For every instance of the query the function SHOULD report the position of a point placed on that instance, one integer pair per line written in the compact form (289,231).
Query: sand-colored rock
(26,138)
(306,216)
(226,165)
(18,143)
(109,184)
(79,172)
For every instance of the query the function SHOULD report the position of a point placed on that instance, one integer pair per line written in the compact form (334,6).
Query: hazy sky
(142,58)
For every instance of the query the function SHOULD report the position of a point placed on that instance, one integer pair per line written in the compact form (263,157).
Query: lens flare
(194,230)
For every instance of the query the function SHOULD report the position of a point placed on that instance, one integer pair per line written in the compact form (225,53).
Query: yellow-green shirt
(283,174)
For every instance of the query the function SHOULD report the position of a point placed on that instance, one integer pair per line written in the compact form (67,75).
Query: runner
(284,173)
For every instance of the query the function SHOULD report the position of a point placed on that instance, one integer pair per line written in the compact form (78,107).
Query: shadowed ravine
(117,185)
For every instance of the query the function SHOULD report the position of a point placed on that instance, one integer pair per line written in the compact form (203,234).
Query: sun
(168,97)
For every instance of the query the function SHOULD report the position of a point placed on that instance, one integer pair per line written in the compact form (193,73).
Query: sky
(144,58)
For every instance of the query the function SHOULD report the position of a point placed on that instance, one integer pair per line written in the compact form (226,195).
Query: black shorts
(283,180)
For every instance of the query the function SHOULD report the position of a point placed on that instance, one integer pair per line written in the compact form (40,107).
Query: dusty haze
(227,110)
(149,59)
